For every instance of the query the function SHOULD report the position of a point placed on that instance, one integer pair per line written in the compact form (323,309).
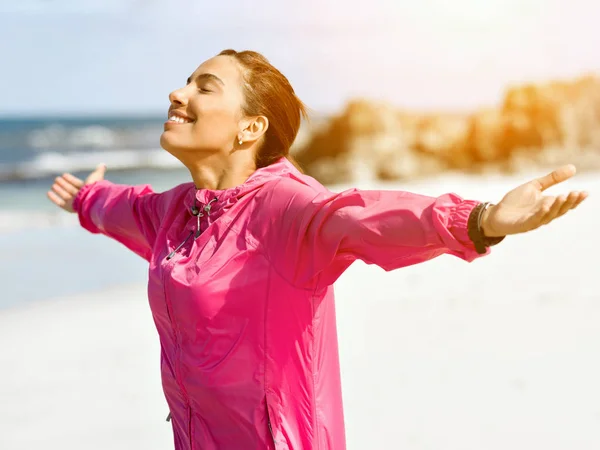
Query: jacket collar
(227,197)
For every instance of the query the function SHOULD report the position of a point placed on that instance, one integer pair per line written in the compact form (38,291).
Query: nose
(177,97)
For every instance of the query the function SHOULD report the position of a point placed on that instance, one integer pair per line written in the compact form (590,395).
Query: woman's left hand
(526,208)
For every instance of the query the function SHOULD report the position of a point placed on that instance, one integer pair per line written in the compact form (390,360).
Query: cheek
(217,120)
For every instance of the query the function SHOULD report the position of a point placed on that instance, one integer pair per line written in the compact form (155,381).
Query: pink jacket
(242,298)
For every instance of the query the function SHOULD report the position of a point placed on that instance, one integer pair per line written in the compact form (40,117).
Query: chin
(175,147)
(168,142)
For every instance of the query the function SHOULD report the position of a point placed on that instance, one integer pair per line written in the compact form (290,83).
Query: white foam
(60,136)
(53,163)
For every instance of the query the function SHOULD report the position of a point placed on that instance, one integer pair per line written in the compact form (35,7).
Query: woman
(242,259)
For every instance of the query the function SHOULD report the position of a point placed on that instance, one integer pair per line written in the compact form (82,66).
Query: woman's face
(205,115)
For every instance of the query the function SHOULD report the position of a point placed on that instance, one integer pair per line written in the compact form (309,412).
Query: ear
(253,128)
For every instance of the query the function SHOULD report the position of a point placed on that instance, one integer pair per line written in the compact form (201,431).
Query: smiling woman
(243,260)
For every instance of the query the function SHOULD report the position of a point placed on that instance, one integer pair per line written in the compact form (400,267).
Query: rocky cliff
(535,125)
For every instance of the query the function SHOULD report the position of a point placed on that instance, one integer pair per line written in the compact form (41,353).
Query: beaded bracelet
(480,240)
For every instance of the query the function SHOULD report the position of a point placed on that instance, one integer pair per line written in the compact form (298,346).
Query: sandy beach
(494,355)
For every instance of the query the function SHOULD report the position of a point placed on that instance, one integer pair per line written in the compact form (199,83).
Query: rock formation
(536,125)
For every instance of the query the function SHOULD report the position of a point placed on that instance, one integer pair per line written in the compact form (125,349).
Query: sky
(91,57)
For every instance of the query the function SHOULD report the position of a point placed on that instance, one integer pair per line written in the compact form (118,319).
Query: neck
(216,172)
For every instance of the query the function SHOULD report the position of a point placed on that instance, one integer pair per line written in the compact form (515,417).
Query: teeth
(177,119)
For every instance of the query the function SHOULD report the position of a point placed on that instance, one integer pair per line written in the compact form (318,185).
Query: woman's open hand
(526,208)
(65,188)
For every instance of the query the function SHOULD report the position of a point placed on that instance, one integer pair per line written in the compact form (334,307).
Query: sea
(45,253)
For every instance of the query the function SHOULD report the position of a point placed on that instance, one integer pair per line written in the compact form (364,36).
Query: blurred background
(466,96)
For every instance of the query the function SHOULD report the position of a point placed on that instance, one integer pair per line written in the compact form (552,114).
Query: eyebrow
(207,76)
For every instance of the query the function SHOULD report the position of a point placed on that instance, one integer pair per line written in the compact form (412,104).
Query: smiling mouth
(178,118)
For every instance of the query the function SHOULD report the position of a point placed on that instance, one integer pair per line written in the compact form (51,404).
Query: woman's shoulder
(296,185)
(288,196)
(171,198)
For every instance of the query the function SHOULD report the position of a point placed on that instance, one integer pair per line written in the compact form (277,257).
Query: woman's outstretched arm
(127,214)
(315,236)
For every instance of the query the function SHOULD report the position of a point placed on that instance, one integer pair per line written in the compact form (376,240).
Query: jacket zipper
(177,352)
(195,212)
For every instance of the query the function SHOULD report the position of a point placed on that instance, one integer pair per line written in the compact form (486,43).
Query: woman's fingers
(64,190)
(73,180)
(563,204)
(67,185)
(61,192)
(555,177)
(554,210)
(56,199)
(582,196)
(97,174)
(569,204)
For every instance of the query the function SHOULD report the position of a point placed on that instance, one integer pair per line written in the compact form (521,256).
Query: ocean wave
(56,136)
(54,163)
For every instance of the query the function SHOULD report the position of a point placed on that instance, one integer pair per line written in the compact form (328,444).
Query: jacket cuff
(82,210)
(80,196)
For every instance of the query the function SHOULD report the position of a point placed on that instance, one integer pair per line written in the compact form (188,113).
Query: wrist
(487,230)
(476,232)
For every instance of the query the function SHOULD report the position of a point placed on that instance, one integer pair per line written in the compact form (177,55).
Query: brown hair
(269,93)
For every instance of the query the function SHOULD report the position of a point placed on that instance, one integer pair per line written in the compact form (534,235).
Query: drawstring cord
(180,245)
(195,212)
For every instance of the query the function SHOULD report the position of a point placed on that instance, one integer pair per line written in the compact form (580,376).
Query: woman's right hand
(65,188)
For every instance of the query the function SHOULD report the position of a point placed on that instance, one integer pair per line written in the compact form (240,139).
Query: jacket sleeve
(316,236)
(128,214)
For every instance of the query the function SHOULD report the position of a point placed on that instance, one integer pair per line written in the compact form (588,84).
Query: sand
(498,354)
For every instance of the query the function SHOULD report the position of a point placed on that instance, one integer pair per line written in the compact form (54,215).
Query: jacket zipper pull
(198,226)
(180,245)
(196,212)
